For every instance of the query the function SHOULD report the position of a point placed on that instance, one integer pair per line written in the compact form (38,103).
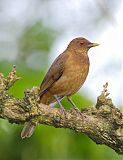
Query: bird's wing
(54,73)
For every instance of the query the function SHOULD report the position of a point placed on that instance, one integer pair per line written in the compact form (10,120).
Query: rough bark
(102,122)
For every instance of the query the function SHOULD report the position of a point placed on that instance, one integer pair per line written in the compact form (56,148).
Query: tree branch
(103,122)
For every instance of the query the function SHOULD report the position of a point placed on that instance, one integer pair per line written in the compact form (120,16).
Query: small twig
(105,91)
(11,78)
(103,99)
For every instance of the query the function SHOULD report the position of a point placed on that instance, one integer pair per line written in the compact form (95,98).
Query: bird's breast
(73,77)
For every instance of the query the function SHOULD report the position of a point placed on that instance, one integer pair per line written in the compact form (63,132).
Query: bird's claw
(62,110)
(77,109)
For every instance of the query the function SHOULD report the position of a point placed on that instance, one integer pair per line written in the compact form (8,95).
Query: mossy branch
(103,122)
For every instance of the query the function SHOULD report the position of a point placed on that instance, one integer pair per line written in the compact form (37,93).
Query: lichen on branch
(102,122)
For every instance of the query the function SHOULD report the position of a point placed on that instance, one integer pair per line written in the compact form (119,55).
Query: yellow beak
(94,44)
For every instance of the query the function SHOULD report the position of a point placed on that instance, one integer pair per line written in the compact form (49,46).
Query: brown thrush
(65,76)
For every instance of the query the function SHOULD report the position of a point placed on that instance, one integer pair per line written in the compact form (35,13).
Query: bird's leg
(73,104)
(59,103)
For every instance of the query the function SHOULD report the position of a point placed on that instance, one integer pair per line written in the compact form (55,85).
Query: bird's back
(54,73)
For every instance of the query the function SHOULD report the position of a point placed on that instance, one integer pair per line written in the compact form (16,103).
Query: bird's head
(81,44)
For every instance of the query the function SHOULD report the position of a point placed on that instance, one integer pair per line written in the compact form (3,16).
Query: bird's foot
(73,104)
(76,108)
(60,105)
(62,110)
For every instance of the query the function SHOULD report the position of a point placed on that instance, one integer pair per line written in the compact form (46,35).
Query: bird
(65,77)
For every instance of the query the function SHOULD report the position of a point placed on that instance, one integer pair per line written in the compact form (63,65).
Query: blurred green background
(31,32)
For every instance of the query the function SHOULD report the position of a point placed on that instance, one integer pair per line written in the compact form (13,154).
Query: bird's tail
(29,127)
(27,130)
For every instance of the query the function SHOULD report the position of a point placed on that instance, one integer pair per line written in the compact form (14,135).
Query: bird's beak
(93,45)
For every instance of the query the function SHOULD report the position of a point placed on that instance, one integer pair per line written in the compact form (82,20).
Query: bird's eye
(81,43)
